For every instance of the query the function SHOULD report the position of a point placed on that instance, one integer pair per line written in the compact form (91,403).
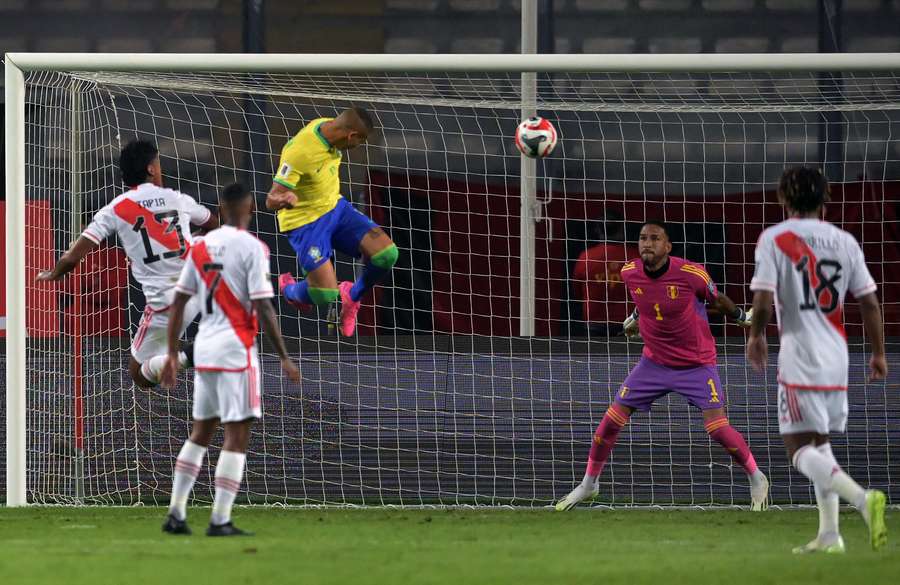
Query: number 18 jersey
(153,226)
(811,265)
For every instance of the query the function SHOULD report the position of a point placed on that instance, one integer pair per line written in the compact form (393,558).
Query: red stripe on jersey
(162,232)
(795,248)
(245,325)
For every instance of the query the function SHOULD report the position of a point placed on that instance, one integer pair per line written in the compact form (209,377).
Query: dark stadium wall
(472,231)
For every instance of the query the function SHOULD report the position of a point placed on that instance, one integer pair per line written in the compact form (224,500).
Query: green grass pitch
(96,546)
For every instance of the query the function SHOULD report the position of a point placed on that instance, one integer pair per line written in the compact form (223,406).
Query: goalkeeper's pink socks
(721,431)
(605,437)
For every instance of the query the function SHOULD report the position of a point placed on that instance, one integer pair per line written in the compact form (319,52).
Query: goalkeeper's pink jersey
(672,309)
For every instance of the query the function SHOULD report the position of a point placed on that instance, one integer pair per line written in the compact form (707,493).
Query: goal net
(438,400)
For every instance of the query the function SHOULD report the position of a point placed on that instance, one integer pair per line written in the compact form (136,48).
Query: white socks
(229,472)
(820,466)
(152,368)
(187,467)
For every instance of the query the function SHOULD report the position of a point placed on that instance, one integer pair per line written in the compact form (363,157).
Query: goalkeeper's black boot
(175,526)
(227,529)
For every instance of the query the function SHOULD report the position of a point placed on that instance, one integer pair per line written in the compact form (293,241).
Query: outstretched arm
(727,307)
(68,261)
(210,224)
(173,334)
(757,348)
(871,315)
(270,325)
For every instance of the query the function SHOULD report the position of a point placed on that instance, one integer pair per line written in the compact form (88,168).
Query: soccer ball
(536,137)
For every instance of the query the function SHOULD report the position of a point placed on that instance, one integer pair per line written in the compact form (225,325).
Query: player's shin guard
(302,293)
(721,431)
(374,271)
(229,472)
(187,467)
(605,437)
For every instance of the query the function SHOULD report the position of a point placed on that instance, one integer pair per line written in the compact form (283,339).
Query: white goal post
(352,67)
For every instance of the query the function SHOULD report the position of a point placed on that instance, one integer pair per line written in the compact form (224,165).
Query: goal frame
(16,64)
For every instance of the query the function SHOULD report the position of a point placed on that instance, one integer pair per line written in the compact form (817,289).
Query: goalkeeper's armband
(630,324)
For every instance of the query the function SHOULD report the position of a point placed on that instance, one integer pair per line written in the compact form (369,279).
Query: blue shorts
(341,229)
(650,381)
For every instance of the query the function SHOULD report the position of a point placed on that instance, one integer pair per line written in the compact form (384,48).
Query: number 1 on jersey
(217,278)
(658,313)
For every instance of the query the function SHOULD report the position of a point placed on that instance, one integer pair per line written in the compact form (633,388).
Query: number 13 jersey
(153,226)
(811,265)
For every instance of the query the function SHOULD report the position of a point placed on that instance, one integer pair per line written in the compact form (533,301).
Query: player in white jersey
(809,266)
(153,226)
(228,272)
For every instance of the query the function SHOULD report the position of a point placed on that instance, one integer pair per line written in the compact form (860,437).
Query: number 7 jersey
(229,269)
(153,226)
(811,265)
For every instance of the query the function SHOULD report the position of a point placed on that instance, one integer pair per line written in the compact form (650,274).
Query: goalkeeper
(306,195)
(679,355)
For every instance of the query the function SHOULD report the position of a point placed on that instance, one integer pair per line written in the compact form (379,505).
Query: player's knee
(323,296)
(386,258)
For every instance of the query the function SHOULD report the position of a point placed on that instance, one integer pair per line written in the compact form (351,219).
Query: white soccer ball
(536,137)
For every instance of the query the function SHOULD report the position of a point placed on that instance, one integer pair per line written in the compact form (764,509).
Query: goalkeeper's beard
(652,261)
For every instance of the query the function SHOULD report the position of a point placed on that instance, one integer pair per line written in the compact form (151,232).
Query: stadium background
(417,303)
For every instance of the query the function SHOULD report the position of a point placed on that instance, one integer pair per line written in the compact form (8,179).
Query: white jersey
(153,225)
(228,268)
(811,265)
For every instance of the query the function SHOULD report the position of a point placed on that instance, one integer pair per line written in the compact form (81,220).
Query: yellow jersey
(309,167)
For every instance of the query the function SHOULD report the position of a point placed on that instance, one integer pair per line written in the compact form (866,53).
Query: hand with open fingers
(46,276)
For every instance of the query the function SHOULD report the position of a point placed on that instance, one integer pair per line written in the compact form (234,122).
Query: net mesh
(436,401)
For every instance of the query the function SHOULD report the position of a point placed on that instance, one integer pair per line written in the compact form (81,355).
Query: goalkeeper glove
(630,325)
(741,317)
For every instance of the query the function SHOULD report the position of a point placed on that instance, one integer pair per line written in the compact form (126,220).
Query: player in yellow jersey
(306,194)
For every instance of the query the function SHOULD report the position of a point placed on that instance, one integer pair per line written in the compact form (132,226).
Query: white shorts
(151,337)
(811,411)
(227,396)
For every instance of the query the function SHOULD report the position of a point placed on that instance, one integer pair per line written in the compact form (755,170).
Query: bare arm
(68,261)
(173,334)
(871,315)
(725,306)
(762,312)
(280,197)
(757,347)
(210,224)
(270,325)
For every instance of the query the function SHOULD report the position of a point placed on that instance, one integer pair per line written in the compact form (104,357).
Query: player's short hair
(803,189)
(363,116)
(133,161)
(234,193)
(660,224)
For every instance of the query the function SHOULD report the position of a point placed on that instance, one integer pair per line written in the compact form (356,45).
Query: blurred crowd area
(443,26)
